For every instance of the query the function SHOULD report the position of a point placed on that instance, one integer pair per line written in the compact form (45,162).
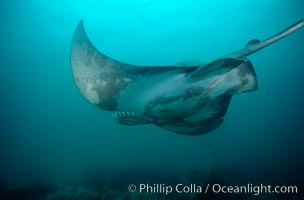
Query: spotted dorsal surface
(184,99)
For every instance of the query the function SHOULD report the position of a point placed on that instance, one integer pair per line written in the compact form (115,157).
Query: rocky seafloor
(106,184)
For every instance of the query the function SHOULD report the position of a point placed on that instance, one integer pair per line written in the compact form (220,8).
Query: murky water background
(50,134)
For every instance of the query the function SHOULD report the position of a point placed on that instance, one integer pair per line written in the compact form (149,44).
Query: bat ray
(190,100)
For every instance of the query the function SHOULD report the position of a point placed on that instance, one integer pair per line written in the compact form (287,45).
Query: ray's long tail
(254,48)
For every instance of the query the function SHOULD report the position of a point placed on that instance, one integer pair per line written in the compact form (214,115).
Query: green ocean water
(49,134)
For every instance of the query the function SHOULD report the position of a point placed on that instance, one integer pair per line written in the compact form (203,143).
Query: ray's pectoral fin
(99,78)
(131,118)
(216,67)
(234,76)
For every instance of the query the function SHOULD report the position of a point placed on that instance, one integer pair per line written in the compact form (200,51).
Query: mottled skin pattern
(188,100)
